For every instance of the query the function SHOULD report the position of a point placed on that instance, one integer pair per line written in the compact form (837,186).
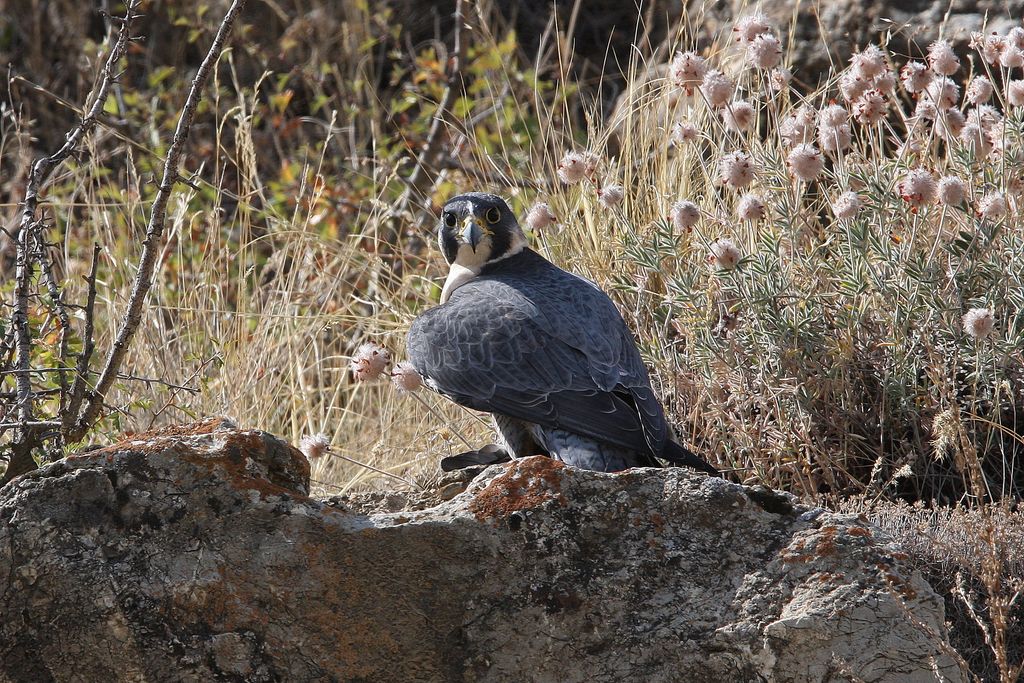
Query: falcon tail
(678,455)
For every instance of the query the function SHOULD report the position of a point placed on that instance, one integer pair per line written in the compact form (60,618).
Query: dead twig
(154,230)
(27,437)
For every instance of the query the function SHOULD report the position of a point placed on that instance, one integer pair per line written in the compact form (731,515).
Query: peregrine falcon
(544,351)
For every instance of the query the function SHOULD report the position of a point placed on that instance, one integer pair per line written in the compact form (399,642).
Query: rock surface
(197,555)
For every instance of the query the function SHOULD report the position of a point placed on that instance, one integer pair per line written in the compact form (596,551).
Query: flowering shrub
(857,270)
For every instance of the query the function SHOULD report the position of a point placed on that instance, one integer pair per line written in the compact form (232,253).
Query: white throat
(458,275)
(469,263)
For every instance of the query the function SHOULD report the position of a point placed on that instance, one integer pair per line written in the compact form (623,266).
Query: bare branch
(74,403)
(423,174)
(58,306)
(28,436)
(154,230)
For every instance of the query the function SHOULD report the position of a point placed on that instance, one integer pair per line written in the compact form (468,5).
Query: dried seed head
(980,90)
(539,217)
(1015,93)
(687,70)
(989,46)
(750,27)
(917,188)
(738,116)
(869,62)
(834,139)
(979,322)
(725,253)
(750,207)
(765,51)
(685,215)
(572,169)
(943,92)
(833,115)
(916,76)
(852,85)
(717,88)
(683,133)
(736,169)
(798,127)
(405,378)
(1011,57)
(951,190)
(846,205)
(315,446)
(942,59)
(870,107)
(992,206)
(805,162)
(369,362)
(611,196)
(949,123)
(779,78)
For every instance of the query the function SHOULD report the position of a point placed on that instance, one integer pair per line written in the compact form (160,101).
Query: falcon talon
(544,351)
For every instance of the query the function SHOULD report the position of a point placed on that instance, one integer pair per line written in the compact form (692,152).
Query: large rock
(197,555)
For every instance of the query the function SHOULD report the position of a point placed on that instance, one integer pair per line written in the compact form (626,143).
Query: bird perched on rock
(544,351)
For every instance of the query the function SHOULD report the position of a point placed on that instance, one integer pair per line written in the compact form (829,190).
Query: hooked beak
(472,233)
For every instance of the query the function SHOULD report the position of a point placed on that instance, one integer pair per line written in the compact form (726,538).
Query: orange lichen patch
(827,545)
(233,458)
(526,484)
(860,531)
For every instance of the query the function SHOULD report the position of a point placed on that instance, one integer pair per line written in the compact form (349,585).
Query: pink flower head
(765,51)
(315,446)
(1011,56)
(687,70)
(833,115)
(684,132)
(369,362)
(949,124)
(916,76)
(540,217)
(834,139)
(979,322)
(1015,93)
(685,215)
(980,90)
(738,115)
(725,253)
(750,207)
(943,92)
(852,85)
(405,378)
(736,169)
(885,83)
(717,88)
(952,190)
(870,107)
(750,27)
(975,138)
(942,59)
(572,169)
(992,206)
(869,62)
(798,127)
(611,196)
(846,205)
(805,162)
(917,188)
(990,46)
(779,78)
(985,116)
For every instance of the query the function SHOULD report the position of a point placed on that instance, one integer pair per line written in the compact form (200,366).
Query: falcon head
(476,229)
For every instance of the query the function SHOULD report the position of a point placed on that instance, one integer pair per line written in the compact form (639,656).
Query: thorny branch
(27,436)
(154,230)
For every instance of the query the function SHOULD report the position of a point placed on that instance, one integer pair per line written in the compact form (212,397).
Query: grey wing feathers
(559,360)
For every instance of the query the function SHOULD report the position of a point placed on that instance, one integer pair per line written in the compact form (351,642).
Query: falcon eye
(492,215)
(449,219)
